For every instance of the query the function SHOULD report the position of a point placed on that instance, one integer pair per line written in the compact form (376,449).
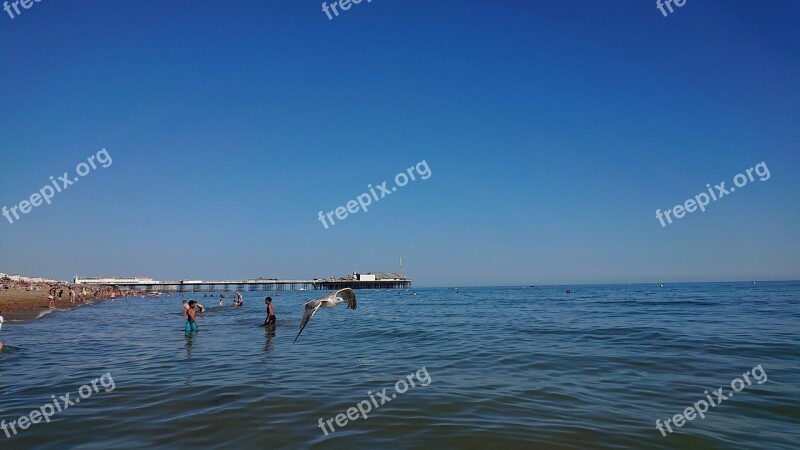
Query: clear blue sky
(553,131)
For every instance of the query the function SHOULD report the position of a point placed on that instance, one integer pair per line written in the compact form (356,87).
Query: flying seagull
(328,301)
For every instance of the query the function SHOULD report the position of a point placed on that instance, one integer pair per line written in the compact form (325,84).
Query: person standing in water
(270,319)
(191,324)
(52,298)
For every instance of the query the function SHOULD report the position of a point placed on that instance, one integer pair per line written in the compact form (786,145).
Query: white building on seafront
(24,279)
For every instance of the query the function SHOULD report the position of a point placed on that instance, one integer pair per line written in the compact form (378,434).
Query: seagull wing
(345,295)
(348,296)
(311,308)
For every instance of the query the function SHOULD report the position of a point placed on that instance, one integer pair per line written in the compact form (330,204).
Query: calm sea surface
(509,368)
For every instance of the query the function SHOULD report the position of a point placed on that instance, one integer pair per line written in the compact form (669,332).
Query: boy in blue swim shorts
(191,324)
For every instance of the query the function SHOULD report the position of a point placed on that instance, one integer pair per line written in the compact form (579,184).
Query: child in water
(191,325)
(270,320)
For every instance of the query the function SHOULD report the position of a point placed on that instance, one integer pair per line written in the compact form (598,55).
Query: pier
(259,284)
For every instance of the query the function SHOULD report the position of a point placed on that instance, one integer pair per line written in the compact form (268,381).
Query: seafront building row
(24,279)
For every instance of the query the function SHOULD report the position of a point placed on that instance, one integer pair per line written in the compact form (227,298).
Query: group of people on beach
(193,309)
(56,292)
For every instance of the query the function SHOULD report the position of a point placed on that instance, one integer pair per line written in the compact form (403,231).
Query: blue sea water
(508,367)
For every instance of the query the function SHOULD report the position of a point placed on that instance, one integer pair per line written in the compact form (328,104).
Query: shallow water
(509,368)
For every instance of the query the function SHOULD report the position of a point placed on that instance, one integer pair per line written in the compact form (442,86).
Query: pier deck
(263,285)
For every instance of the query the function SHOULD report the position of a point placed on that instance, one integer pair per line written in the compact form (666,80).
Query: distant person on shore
(270,319)
(52,297)
(71,295)
(191,324)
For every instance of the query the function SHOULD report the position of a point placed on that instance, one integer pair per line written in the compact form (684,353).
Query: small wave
(44,313)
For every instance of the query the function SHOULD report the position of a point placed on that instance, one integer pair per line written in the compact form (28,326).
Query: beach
(20,303)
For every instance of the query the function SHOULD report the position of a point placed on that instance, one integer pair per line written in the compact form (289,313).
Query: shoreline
(22,305)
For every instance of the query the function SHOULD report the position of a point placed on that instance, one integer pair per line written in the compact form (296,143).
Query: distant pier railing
(355,284)
(262,285)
